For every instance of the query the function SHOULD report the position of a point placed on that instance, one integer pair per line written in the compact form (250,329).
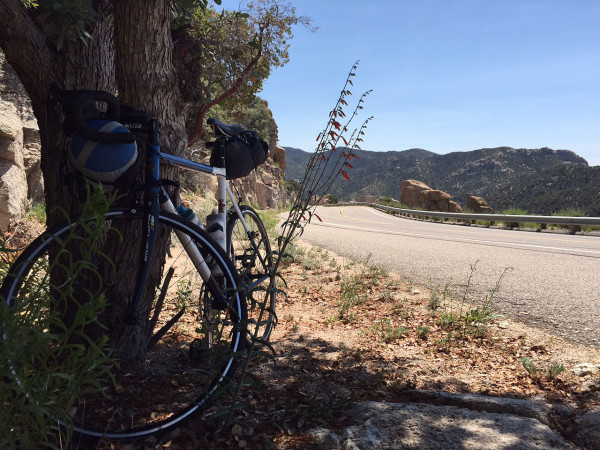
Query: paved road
(554,282)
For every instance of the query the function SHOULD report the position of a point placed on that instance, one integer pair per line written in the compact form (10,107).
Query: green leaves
(64,20)
(48,359)
(228,54)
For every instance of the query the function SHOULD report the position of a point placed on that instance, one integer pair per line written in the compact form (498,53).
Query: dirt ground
(349,332)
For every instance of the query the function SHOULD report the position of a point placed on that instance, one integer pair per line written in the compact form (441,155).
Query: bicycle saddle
(224,129)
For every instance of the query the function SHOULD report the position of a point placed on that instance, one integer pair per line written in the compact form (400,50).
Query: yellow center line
(362,220)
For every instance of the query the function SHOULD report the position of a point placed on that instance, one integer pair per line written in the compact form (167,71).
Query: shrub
(570,212)
(512,211)
(47,365)
(529,366)
(389,201)
(555,369)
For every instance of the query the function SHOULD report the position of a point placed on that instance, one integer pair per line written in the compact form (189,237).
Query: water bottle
(215,226)
(189,215)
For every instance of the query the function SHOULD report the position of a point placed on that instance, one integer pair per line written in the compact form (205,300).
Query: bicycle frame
(223,188)
(223,191)
(159,200)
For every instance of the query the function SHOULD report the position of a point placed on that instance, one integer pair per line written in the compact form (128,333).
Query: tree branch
(27,51)
(199,123)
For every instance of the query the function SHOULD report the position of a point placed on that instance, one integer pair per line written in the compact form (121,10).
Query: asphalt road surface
(553,281)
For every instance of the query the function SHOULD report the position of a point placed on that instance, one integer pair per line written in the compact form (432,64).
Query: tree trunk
(145,72)
(147,81)
(132,55)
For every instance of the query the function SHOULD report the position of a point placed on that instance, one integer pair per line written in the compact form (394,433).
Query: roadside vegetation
(389,201)
(513,211)
(349,331)
(43,374)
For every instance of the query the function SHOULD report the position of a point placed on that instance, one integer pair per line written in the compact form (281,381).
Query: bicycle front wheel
(187,336)
(250,251)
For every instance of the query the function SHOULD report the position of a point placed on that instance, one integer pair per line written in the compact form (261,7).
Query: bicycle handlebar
(79,106)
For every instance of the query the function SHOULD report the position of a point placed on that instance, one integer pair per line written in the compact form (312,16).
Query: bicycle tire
(170,384)
(253,259)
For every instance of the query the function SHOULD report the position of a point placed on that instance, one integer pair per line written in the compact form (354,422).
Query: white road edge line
(474,241)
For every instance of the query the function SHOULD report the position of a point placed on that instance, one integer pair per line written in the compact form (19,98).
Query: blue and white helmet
(104,162)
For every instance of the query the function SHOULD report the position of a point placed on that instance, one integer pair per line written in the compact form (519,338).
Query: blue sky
(447,75)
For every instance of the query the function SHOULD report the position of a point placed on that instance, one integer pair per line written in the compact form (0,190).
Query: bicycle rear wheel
(192,342)
(252,257)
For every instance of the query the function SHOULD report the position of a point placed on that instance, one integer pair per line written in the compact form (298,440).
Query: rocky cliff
(21,179)
(265,186)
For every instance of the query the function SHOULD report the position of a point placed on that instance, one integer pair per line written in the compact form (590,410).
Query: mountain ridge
(536,180)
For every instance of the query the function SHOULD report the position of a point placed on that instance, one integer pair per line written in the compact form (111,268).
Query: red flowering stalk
(329,160)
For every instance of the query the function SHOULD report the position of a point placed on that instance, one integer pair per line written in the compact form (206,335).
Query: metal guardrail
(512,218)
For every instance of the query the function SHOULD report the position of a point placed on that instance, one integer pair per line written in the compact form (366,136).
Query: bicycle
(188,361)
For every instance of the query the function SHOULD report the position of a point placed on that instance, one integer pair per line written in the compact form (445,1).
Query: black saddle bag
(243,154)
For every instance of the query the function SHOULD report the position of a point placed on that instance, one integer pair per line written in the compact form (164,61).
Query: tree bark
(147,81)
(145,71)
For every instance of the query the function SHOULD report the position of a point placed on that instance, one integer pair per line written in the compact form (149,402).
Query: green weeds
(529,367)
(458,317)
(37,212)
(352,293)
(512,211)
(387,332)
(423,332)
(571,212)
(552,371)
(48,363)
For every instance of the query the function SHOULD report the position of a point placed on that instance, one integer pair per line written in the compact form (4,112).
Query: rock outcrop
(416,194)
(265,186)
(278,154)
(20,175)
(478,205)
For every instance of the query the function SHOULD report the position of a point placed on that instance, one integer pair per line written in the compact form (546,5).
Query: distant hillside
(564,186)
(540,181)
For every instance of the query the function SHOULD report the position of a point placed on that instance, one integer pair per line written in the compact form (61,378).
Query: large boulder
(478,205)
(417,195)
(279,157)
